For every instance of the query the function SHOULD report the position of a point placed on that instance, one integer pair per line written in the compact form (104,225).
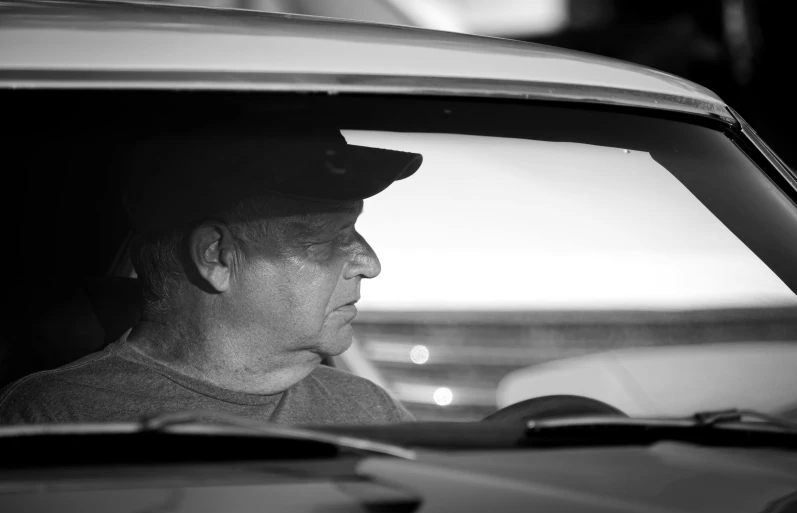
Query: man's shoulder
(37,397)
(352,389)
(345,383)
(100,366)
(340,377)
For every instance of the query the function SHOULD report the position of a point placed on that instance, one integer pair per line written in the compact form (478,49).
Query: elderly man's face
(299,291)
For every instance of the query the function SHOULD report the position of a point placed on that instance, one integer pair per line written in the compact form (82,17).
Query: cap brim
(354,173)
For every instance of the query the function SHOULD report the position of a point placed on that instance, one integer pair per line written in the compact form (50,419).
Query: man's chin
(336,343)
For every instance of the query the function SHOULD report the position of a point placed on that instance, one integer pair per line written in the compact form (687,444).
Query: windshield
(545,233)
(533,239)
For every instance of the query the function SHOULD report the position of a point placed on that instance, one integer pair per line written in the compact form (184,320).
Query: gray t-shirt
(120,384)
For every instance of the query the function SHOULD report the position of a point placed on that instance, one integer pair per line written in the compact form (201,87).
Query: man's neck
(219,359)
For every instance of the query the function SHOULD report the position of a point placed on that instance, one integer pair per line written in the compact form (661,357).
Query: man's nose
(364,262)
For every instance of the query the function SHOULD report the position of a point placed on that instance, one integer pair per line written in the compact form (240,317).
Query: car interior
(73,276)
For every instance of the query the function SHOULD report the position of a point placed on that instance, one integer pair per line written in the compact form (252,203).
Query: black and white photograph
(407,256)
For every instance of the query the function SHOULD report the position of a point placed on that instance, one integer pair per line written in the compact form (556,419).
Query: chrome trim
(785,171)
(363,84)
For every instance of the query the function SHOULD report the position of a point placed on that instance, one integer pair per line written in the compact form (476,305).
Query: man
(250,266)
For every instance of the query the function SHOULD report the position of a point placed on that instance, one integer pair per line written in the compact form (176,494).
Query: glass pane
(532,233)
(511,224)
(535,234)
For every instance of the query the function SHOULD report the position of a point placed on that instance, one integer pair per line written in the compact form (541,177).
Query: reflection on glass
(523,242)
(419,354)
(443,396)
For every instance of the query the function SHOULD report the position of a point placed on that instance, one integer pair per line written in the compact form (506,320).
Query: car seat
(84,319)
(66,321)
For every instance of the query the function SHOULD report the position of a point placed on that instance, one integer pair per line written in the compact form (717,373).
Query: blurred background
(447,365)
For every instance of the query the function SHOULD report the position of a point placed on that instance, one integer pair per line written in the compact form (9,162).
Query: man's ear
(212,252)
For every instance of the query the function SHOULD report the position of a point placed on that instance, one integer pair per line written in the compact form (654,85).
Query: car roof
(153,46)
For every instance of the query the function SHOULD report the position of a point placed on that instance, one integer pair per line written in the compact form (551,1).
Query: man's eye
(320,245)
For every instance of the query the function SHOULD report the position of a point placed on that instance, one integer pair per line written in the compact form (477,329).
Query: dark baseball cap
(181,176)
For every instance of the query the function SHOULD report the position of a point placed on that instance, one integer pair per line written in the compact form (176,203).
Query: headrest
(81,318)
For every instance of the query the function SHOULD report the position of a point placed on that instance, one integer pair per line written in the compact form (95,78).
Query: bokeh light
(443,396)
(419,354)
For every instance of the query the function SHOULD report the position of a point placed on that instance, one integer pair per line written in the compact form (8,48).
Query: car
(567,204)
(668,381)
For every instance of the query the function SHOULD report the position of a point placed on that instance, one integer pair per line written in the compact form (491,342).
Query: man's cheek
(320,286)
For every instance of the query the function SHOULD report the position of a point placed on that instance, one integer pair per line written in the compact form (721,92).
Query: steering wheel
(551,406)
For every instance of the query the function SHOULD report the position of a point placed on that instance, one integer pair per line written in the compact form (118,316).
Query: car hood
(667,476)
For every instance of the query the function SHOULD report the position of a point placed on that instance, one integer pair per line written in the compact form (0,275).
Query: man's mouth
(348,307)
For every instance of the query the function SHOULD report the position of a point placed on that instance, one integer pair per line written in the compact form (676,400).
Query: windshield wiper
(749,418)
(713,418)
(744,428)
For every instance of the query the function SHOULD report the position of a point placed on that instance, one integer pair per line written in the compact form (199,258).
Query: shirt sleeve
(21,402)
(399,412)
